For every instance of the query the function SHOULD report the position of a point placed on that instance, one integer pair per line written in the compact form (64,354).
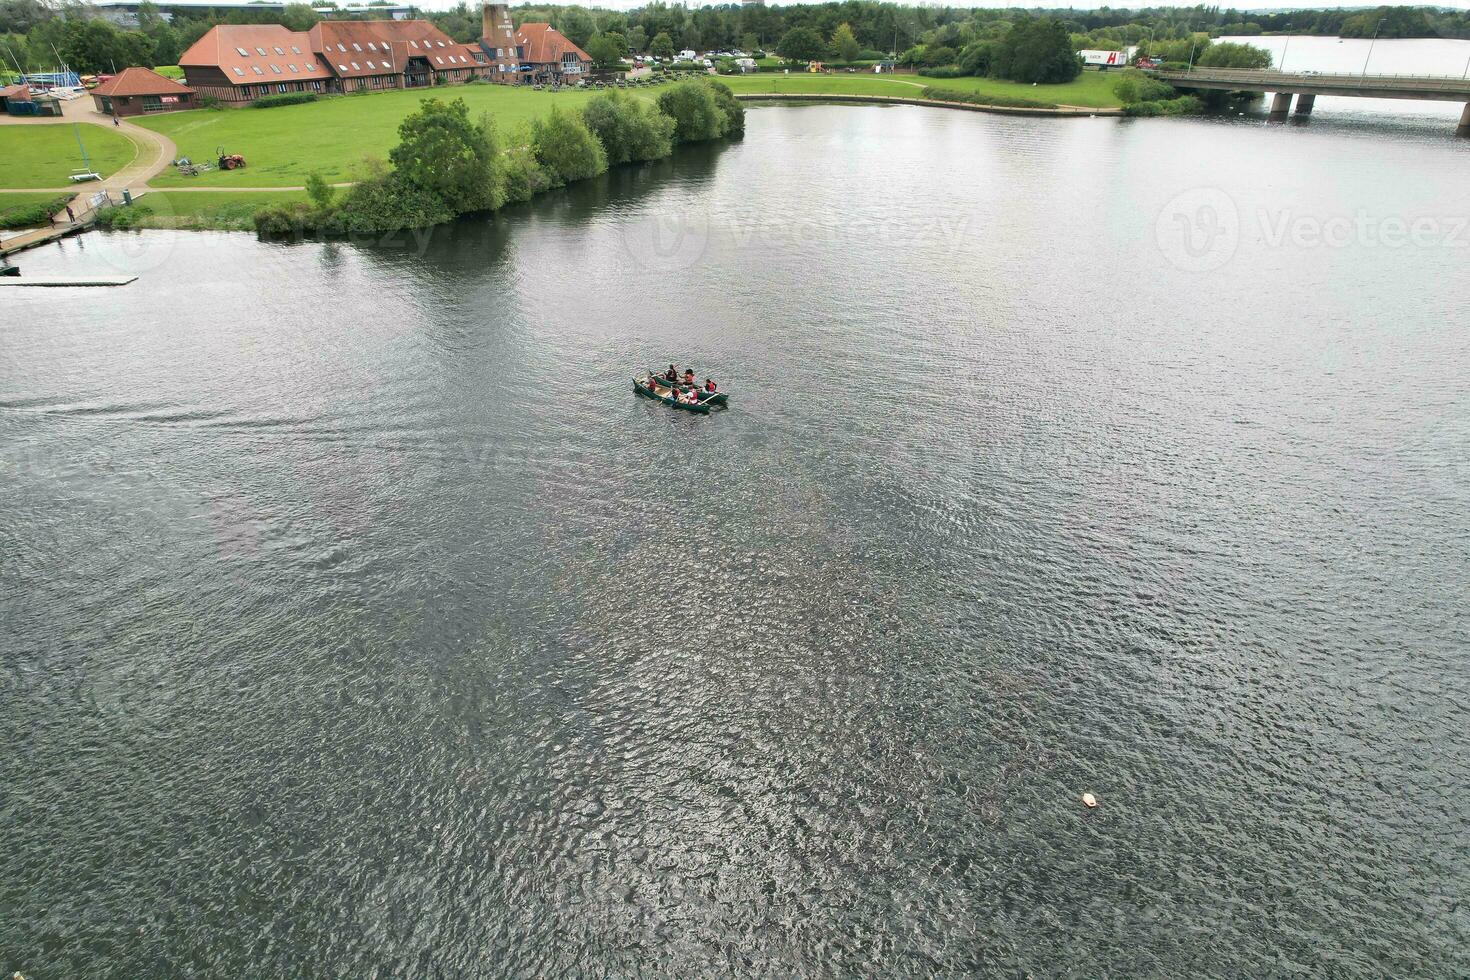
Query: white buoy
(1088,800)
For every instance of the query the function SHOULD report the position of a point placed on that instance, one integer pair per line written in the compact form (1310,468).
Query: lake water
(361,621)
(1440,57)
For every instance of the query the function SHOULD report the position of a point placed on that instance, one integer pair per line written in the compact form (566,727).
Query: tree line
(40,34)
(446,164)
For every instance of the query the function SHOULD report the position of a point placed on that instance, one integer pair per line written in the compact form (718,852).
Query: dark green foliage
(696,112)
(944,71)
(662,46)
(565,148)
(390,203)
(979,98)
(289,98)
(1229,55)
(32,215)
(801,44)
(629,129)
(1184,105)
(443,154)
(120,218)
(730,106)
(977,58)
(1038,51)
(1134,86)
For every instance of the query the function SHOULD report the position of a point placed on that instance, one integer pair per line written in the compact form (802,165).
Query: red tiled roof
(355,48)
(271,54)
(141,81)
(545,44)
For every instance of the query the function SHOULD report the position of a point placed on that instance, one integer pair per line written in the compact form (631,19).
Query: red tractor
(229,161)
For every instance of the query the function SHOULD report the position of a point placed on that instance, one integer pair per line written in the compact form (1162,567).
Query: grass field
(209,209)
(283,145)
(44,155)
(28,210)
(1091,89)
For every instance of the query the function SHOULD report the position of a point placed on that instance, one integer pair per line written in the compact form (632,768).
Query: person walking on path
(70,215)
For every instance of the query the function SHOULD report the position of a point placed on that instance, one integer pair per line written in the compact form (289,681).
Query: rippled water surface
(361,621)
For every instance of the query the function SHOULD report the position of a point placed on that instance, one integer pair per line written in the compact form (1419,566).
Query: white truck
(1104,60)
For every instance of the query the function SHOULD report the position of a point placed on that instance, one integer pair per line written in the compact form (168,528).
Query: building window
(239,71)
(256,69)
(342,68)
(310,66)
(355,66)
(278,50)
(243,52)
(371,47)
(295,49)
(260,51)
(342,49)
(356,46)
(275,69)
(371,66)
(294,69)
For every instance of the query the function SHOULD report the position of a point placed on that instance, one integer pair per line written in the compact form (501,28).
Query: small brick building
(135,91)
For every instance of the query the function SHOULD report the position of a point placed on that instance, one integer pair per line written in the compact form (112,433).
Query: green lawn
(44,155)
(210,209)
(1091,89)
(283,145)
(28,210)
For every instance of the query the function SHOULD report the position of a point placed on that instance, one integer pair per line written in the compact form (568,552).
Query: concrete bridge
(1307,85)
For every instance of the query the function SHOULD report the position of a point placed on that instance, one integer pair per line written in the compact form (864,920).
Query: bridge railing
(1259,76)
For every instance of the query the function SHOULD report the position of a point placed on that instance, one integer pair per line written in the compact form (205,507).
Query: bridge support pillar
(1305,104)
(1280,105)
(1464,129)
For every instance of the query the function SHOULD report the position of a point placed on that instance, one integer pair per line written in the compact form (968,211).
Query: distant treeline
(36,34)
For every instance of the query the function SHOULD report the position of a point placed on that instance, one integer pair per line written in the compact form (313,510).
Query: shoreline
(1005,110)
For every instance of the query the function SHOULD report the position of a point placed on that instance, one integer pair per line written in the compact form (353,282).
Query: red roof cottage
(134,91)
(547,56)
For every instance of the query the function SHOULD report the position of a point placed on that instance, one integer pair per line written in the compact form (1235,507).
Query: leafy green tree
(629,129)
(732,108)
(1037,51)
(440,151)
(662,46)
(299,17)
(320,192)
(1135,86)
(977,58)
(524,177)
(696,111)
(386,202)
(1229,55)
(692,38)
(749,42)
(845,43)
(577,25)
(637,39)
(800,44)
(606,49)
(565,148)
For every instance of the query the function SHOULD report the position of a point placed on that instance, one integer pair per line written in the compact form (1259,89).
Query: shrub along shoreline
(446,164)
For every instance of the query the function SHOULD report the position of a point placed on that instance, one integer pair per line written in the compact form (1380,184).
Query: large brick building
(240,62)
(135,91)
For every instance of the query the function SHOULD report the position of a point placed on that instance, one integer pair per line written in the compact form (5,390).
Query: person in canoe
(671,375)
(689,377)
(709,386)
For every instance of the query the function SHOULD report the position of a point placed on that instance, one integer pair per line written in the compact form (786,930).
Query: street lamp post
(1370,47)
